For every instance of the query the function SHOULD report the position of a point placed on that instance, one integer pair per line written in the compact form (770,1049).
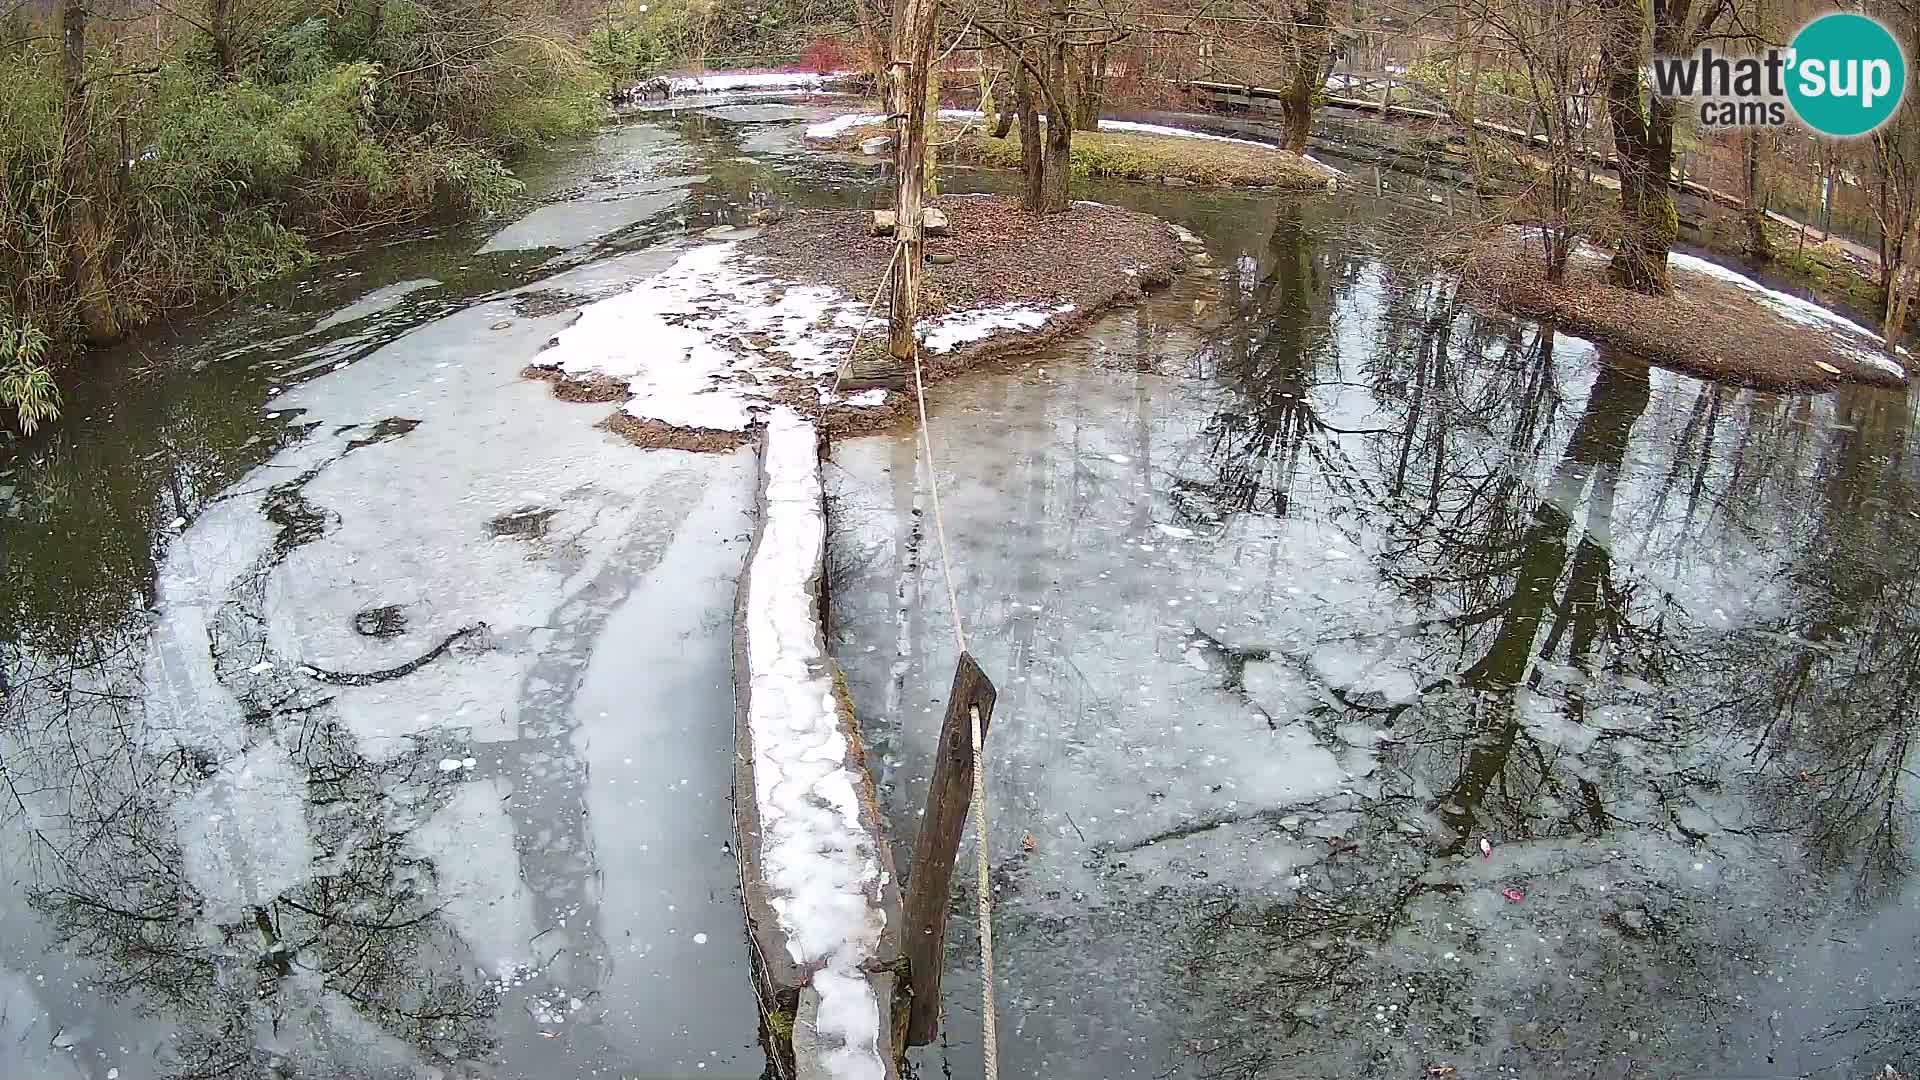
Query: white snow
(1161,129)
(1867,347)
(667,338)
(950,331)
(829,128)
(758,80)
(817,857)
(1869,351)
(673,340)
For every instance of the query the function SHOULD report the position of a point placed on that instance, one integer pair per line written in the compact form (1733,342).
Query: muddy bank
(767,320)
(1716,324)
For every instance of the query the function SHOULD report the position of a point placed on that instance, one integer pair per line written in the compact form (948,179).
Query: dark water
(367,712)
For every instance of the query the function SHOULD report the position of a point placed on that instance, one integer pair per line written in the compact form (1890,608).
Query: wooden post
(914,23)
(930,878)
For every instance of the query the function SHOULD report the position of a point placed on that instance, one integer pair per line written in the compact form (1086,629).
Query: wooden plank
(930,880)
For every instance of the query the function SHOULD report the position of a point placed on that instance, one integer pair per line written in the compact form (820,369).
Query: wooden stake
(930,878)
(914,24)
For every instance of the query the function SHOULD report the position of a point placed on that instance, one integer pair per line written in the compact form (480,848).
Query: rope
(939,526)
(983,900)
(862,328)
(989,1035)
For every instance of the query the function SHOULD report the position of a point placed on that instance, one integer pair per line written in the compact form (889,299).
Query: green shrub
(626,52)
(200,183)
(26,383)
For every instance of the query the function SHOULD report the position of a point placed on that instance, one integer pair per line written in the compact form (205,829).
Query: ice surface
(578,883)
(381,299)
(470,841)
(244,834)
(816,856)
(1259,750)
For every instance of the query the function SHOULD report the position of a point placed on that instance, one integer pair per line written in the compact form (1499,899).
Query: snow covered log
(816,870)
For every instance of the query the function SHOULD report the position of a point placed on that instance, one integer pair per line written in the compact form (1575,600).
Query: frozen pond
(1300,584)
(365,712)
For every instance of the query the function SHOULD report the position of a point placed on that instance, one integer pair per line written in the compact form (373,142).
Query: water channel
(367,712)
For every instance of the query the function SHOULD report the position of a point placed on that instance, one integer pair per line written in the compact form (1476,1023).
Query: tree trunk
(873,36)
(376,20)
(1089,88)
(913,31)
(931,185)
(220,29)
(1643,141)
(1057,172)
(1901,283)
(85,241)
(1312,42)
(1016,77)
(1033,150)
(990,111)
(1755,210)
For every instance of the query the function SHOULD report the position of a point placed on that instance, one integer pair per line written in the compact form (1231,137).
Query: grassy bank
(1709,326)
(162,162)
(1128,155)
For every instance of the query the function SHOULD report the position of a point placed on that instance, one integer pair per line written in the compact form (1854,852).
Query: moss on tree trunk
(1643,141)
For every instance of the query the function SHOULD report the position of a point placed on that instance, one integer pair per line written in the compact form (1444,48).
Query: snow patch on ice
(669,338)
(756,80)
(1866,347)
(948,332)
(827,129)
(818,859)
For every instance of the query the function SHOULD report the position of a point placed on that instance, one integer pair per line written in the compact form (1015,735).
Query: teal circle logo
(1848,74)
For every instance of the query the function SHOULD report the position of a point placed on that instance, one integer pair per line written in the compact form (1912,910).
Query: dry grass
(1706,327)
(1129,155)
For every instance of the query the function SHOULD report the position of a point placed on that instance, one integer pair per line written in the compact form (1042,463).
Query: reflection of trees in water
(1841,668)
(257,988)
(1273,348)
(1544,630)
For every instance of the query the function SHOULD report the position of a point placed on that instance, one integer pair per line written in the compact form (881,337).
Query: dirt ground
(1707,327)
(1091,256)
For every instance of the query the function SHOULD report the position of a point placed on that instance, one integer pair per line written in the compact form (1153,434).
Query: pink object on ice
(1486,848)
(1514,895)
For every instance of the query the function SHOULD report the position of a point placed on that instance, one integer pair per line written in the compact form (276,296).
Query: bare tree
(1643,125)
(1896,160)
